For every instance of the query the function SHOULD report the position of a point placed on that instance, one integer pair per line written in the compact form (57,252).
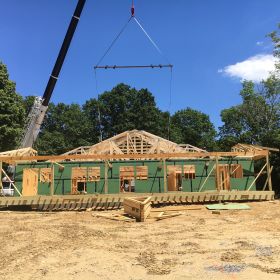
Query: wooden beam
(134,156)
(81,202)
(265,184)
(268,172)
(200,189)
(106,177)
(60,165)
(164,176)
(52,181)
(257,176)
(217,173)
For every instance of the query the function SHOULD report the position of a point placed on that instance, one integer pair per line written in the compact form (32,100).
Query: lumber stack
(138,207)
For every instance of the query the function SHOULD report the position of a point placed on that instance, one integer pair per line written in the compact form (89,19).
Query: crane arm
(38,111)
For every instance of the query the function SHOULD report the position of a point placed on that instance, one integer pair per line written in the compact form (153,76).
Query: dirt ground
(235,244)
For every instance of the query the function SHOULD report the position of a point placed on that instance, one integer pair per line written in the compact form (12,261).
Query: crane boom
(38,111)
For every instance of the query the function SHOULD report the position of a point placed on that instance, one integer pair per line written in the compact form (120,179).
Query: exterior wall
(154,183)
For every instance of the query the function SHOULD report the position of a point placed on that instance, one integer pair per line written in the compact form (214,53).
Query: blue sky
(205,40)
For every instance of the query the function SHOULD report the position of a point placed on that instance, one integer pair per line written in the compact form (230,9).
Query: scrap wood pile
(140,209)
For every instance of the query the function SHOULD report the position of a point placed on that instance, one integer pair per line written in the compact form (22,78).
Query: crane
(40,106)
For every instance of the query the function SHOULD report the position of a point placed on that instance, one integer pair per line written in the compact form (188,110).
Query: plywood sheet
(30,182)
(236,171)
(45,175)
(172,182)
(228,206)
(79,173)
(127,172)
(174,168)
(141,172)
(189,171)
(93,174)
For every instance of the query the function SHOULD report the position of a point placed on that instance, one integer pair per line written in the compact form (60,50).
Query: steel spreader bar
(133,66)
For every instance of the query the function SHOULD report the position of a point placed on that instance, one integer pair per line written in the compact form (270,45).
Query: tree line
(256,120)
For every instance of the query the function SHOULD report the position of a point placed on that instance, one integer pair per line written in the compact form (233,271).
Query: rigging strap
(168,65)
(114,41)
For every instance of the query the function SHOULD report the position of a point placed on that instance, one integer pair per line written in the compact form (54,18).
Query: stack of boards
(139,207)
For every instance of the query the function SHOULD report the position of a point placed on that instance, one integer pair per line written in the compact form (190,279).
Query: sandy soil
(196,245)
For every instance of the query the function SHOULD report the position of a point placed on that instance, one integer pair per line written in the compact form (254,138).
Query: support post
(217,174)
(1,185)
(268,172)
(265,184)
(52,182)
(164,175)
(206,178)
(106,177)
(257,176)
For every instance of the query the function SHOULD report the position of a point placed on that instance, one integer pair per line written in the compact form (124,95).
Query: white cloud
(259,43)
(255,68)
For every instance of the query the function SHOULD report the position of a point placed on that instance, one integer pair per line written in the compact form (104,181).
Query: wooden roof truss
(137,143)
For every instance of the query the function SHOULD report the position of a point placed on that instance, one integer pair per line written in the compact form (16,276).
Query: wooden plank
(249,188)
(30,182)
(52,180)
(138,209)
(265,184)
(166,216)
(164,176)
(106,177)
(186,197)
(93,174)
(135,156)
(142,172)
(268,172)
(45,175)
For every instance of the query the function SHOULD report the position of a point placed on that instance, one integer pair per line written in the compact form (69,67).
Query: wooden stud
(164,176)
(268,172)
(265,184)
(52,181)
(106,177)
(217,174)
(257,176)
(200,189)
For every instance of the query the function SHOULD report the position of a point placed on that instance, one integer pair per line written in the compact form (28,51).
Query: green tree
(257,119)
(28,103)
(193,127)
(63,129)
(275,38)
(125,108)
(12,114)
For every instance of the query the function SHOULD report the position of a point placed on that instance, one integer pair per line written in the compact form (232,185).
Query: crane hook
(132,9)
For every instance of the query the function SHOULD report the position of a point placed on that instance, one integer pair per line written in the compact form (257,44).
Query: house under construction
(136,163)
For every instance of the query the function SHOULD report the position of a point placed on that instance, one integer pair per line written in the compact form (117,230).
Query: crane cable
(132,16)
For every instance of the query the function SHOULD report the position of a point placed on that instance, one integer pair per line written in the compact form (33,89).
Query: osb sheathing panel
(30,182)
